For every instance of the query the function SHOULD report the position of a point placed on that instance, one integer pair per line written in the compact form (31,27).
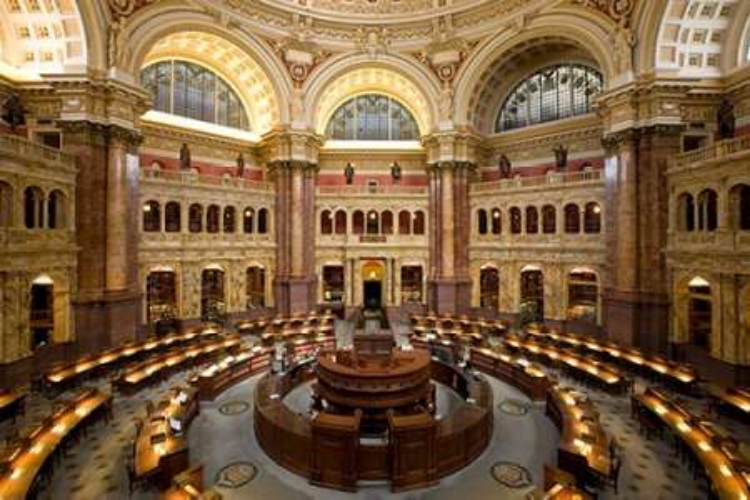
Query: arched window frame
(572,218)
(151,217)
(592,218)
(418,226)
(526,105)
(515,220)
(172,217)
(207,97)
(549,219)
(372,117)
(496,221)
(532,220)
(326,222)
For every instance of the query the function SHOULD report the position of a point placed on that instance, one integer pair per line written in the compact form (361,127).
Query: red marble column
(449,288)
(106,308)
(636,301)
(295,281)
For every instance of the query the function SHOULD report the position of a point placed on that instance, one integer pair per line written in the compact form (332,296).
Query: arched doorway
(42,311)
(532,294)
(161,300)
(256,287)
(583,295)
(213,305)
(489,288)
(699,313)
(373,273)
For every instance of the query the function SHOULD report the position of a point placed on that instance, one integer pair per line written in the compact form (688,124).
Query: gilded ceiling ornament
(125,8)
(299,58)
(620,11)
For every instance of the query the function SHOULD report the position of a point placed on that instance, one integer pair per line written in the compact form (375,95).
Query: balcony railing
(372,190)
(552,179)
(23,148)
(196,179)
(717,151)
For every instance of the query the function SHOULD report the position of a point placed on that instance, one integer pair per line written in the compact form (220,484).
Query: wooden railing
(720,149)
(194,178)
(372,190)
(552,179)
(26,149)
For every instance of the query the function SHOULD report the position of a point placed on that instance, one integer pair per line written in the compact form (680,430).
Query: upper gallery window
(186,89)
(550,94)
(372,117)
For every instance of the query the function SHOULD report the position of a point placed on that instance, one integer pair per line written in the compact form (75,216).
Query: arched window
(263,221)
(56,213)
(195,218)
(187,89)
(372,117)
(173,217)
(572,218)
(707,210)
(515,220)
(532,294)
(358,222)
(482,221)
(247,220)
(6,204)
(229,219)
(212,219)
(686,212)
(740,200)
(532,220)
(404,222)
(372,222)
(549,219)
(592,218)
(151,217)
(419,225)
(489,288)
(340,222)
(552,93)
(386,221)
(497,221)
(326,222)
(33,207)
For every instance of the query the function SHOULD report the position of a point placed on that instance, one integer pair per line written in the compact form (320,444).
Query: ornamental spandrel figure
(396,171)
(13,112)
(561,157)
(349,173)
(185,157)
(240,166)
(505,166)
(725,119)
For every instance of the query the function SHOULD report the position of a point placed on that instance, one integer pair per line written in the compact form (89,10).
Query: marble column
(635,298)
(450,286)
(107,308)
(295,236)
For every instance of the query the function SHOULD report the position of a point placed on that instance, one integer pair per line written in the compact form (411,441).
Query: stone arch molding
(578,28)
(343,78)
(238,57)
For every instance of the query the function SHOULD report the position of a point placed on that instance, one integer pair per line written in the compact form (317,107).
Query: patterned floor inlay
(234,408)
(236,475)
(511,475)
(514,407)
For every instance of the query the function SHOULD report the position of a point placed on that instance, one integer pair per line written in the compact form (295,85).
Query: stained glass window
(553,93)
(189,90)
(372,117)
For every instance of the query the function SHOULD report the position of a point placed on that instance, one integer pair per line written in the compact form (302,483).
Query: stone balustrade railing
(21,147)
(717,151)
(371,190)
(547,180)
(190,178)
(726,241)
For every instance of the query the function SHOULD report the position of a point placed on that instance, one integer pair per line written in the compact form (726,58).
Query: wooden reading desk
(729,473)
(23,463)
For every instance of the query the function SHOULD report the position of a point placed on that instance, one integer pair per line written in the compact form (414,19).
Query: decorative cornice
(619,11)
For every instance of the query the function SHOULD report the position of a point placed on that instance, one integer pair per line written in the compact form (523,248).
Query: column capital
(284,145)
(101,134)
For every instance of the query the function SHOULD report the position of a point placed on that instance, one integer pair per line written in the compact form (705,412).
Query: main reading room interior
(375,249)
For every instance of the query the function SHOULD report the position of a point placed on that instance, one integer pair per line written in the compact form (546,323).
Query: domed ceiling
(401,22)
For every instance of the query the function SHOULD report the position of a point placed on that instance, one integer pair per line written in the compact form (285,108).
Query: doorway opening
(372,279)
(42,311)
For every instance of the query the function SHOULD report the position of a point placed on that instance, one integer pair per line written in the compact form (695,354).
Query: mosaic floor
(222,439)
